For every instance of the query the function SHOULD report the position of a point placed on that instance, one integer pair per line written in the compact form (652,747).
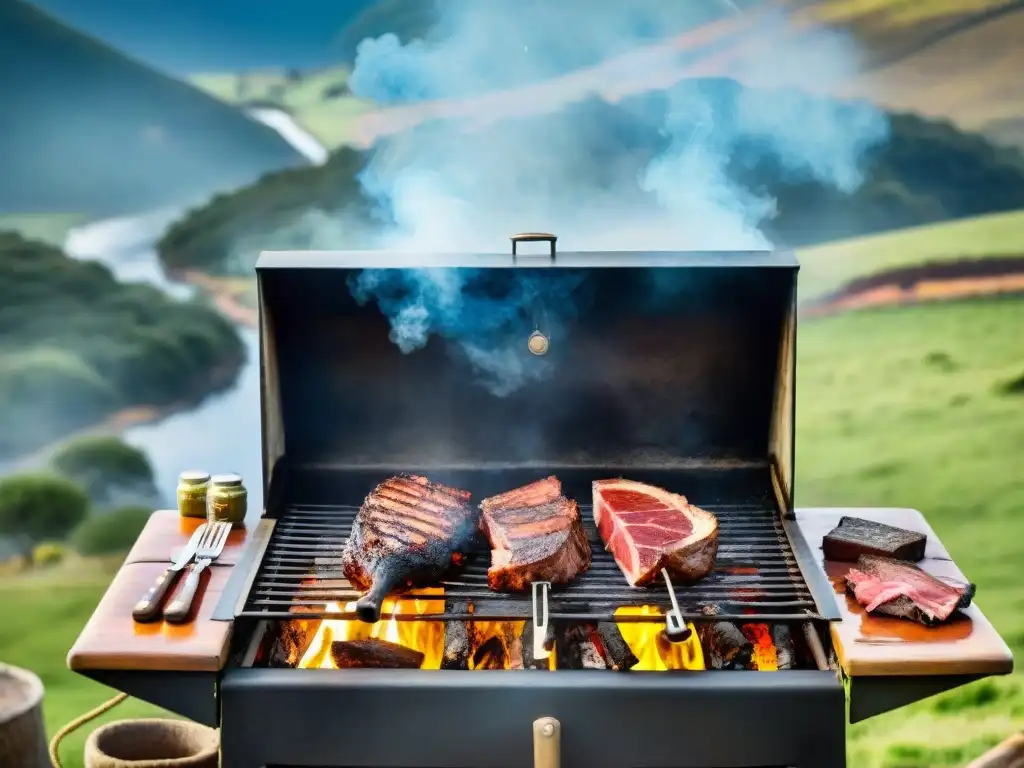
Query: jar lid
(194,476)
(228,478)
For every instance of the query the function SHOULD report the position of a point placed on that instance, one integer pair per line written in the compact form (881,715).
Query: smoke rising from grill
(542,150)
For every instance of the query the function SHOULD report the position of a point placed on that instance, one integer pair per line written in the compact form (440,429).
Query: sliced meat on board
(897,588)
(535,534)
(646,528)
(408,532)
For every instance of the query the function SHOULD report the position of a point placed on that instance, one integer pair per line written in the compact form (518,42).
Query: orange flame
(653,650)
(765,656)
(425,636)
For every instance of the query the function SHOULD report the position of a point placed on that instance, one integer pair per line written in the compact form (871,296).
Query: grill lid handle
(533,237)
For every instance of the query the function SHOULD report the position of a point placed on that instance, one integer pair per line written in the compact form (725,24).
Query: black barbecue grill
(486,372)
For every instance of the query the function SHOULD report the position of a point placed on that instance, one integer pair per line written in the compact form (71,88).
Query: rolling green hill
(828,267)
(76,346)
(320,101)
(86,129)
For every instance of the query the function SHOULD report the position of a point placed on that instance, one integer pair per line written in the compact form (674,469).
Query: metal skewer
(543,641)
(675,625)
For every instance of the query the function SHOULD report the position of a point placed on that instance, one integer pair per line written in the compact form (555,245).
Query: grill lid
(602,360)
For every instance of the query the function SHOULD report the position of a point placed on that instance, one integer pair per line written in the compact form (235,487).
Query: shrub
(111,533)
(102,465)
(35,507)
(48,553)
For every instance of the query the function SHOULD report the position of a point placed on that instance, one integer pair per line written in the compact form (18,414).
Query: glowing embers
(635,641)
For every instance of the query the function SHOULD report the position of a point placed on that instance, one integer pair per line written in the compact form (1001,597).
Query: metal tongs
(543,633)
(676,629)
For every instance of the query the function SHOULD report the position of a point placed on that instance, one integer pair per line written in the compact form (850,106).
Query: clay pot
(152,744)
(22,735)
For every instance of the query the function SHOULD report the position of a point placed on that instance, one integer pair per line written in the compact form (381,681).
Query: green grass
(43,614)
(328,119)
(51,228)
(828,267)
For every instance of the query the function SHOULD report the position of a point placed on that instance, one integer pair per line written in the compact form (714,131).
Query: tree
(110,533)
(35,507)
(104,466)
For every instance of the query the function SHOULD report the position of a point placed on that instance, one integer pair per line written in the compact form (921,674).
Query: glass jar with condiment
(192,487)
(227,499)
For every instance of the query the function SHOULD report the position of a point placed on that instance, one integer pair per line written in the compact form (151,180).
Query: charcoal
(854,537)
(724,644)
(785,649)
(292,641)
(575,647)
(378,654)
(457,649)
(616,650)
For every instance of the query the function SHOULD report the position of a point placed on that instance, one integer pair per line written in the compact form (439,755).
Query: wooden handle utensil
(179,609)
(149,605)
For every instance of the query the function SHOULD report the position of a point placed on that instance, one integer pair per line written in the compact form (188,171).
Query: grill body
(670,368)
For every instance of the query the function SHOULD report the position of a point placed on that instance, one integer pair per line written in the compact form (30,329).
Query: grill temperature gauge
(538,343)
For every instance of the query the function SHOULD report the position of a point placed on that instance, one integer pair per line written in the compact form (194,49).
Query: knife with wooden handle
(149,606)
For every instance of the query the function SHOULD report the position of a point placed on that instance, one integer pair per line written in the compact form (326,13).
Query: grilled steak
(647,529)
(896,588)
(536,534)
(408,532)
(854,537)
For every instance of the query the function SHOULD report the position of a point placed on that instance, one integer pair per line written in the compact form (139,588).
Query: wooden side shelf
(167,532)
(871,645)
(113,640)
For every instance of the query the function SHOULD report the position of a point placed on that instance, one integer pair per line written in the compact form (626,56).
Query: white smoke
(444,190)
(498,65)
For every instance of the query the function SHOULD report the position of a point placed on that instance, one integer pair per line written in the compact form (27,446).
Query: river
(222,434)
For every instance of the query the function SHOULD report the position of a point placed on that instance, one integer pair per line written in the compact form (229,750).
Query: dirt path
(944,281)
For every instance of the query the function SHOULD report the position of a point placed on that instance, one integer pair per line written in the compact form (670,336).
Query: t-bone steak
(646,528)
(408,532)
(536,534)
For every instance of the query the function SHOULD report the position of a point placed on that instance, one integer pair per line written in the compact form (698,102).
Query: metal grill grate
(756,578)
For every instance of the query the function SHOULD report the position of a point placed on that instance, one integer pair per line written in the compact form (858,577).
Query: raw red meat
(898,588)
(647,528)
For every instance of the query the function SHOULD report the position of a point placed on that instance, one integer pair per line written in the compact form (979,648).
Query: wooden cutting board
(866,644)
(112,639)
